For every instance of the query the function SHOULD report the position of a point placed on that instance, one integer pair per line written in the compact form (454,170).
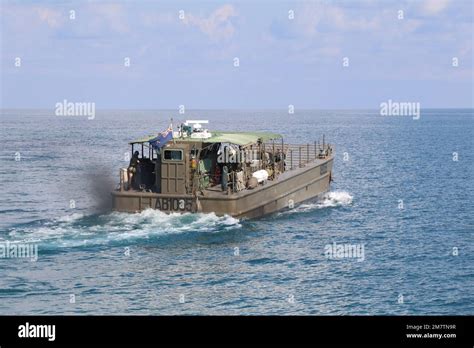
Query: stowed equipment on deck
(178,168)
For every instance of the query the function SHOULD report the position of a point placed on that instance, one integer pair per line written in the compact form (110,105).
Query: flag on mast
(162,139)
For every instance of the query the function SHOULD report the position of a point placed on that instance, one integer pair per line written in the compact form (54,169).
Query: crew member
(132,168)
(225,178)
(279,157)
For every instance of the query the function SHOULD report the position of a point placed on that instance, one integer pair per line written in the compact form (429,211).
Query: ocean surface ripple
(398,196)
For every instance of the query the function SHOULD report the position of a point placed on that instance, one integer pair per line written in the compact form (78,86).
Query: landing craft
(195,170)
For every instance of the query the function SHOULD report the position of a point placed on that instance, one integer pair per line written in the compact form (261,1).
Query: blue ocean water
(57,172)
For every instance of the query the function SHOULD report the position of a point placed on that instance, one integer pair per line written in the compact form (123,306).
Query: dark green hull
(290,188)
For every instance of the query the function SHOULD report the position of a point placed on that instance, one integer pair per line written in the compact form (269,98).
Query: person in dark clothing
(132,168)
(280,157)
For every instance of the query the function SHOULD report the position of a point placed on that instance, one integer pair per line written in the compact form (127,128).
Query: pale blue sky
(190,61)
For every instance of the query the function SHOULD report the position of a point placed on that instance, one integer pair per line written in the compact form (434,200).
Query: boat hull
(290,188)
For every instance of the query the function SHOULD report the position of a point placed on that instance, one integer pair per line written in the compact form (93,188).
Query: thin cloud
(218,26)
(433,7)
(54,19)
(114,14)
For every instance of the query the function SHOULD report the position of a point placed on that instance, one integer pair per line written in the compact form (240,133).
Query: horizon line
(233,109)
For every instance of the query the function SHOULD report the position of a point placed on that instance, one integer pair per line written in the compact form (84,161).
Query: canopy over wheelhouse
(238,138)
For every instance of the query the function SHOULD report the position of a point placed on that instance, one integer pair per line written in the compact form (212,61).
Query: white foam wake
(77,229)
(335,199)
(328,200)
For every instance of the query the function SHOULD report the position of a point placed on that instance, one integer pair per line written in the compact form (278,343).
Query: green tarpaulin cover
(238,138)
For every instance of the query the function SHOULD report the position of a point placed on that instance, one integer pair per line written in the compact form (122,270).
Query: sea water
(402,196)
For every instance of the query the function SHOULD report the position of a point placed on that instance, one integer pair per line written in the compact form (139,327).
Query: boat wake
(79,230)
(88,230)
(328,200)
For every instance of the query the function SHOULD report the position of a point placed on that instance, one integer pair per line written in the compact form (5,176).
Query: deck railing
(298,155)
(294,155)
